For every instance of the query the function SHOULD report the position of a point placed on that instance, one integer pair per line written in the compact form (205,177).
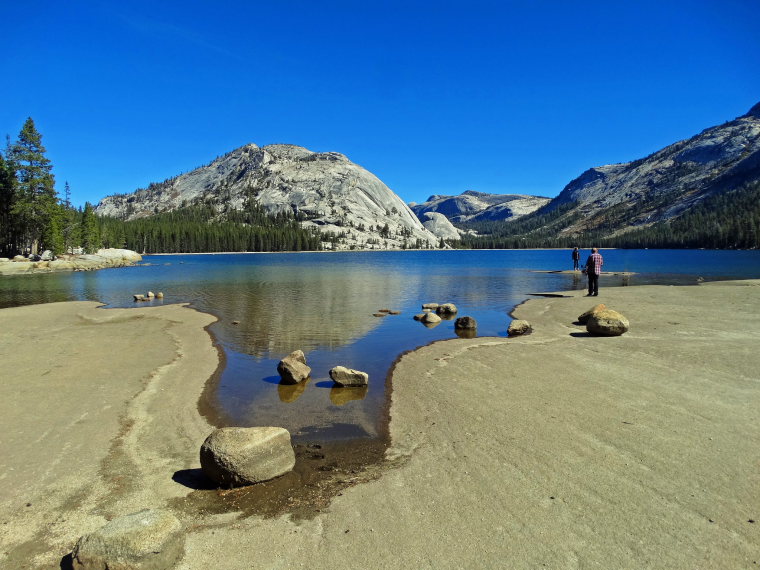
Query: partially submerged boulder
(465,323)
(583,319)
(430,318)
(236,456)
(419,316)
(518,327)
(446,309)
(343,376)
(607,323)
(430,306)
(293,369)
(148,539)
(139,297)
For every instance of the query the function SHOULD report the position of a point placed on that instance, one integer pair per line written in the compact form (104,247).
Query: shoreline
(554,448)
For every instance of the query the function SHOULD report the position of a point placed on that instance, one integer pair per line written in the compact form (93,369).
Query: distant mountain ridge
(323,190)
(472,206)
(665,184)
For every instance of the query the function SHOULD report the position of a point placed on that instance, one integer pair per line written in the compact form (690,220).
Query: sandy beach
(553,450)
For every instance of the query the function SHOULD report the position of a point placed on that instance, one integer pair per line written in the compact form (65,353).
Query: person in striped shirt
(593,269)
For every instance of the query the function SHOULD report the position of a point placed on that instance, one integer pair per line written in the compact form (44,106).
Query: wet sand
(554,450)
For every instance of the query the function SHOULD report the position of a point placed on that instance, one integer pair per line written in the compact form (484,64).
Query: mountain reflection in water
(322,303)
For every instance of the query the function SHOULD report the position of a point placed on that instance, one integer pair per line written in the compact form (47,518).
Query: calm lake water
(322,303)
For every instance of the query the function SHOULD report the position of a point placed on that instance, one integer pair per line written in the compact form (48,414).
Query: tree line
(723,220)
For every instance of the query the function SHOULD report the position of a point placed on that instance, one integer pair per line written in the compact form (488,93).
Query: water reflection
(342,396)
(323,305)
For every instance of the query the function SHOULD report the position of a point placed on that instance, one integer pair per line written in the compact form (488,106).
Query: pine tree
(89,230)
(36,207)
(8,225)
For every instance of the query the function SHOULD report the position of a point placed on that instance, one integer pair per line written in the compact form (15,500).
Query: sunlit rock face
(668,182)
(471,206)
(325,189)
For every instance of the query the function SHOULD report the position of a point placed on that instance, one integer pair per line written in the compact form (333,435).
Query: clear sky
(432,97)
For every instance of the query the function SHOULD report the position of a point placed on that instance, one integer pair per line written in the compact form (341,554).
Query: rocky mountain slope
(471,206)
(616,198)
(325,190)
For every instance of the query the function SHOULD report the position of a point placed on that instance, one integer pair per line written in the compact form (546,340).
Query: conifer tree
(89,230)
(36,207)
(8,226)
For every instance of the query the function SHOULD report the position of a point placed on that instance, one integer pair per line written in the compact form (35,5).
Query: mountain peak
(754,111)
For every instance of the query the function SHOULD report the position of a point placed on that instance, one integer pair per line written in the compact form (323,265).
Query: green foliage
(200,228)
(35,204)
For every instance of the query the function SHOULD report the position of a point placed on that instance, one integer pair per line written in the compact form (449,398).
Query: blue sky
(432,97)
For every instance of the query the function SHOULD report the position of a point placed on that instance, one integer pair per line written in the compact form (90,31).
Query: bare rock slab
(237,456)
(518,327)
(607,323)
(146,540)
(343,376)
(583,318)
(293,369)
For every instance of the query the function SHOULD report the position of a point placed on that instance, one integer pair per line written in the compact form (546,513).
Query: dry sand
(554,450)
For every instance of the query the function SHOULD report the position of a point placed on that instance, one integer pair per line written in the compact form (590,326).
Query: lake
(322,303)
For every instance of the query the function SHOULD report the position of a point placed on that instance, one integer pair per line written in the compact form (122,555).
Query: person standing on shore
(576,259)
(593,269)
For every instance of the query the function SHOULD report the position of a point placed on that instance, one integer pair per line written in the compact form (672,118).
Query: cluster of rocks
(433,313)
(385,312)
(601,321)
(47,263)
(293,370)
(149,296)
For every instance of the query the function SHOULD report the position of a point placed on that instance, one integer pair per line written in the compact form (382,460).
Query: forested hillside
(34,218)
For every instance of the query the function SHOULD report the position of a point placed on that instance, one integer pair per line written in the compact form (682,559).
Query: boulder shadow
(325,384)
(271,379)
(67,562)
(194,479)
(582,334)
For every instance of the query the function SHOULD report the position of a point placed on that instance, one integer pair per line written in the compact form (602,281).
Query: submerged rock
(518,327)
(343,376)
(446,309)
(430,318)
(236,456)
(293,369)
(148,539)
(607,323)
(465,323)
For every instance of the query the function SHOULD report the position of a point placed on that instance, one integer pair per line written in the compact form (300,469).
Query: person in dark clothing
(576,259)
(593,269)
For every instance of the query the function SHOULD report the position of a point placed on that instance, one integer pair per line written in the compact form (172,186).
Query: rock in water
(607,323)
(430,306)
(236,456)
(518,327)
(583,319)
(293,369)
(149,539)
(446,309)
(430,318)
(465,323)
(420,316)
(343,376)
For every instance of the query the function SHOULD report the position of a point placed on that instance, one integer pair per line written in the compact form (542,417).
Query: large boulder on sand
(465,323)
(607,323)
(343,376)
(292,369)
(518,327)
(235,456)
(149,539)
(583,319)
